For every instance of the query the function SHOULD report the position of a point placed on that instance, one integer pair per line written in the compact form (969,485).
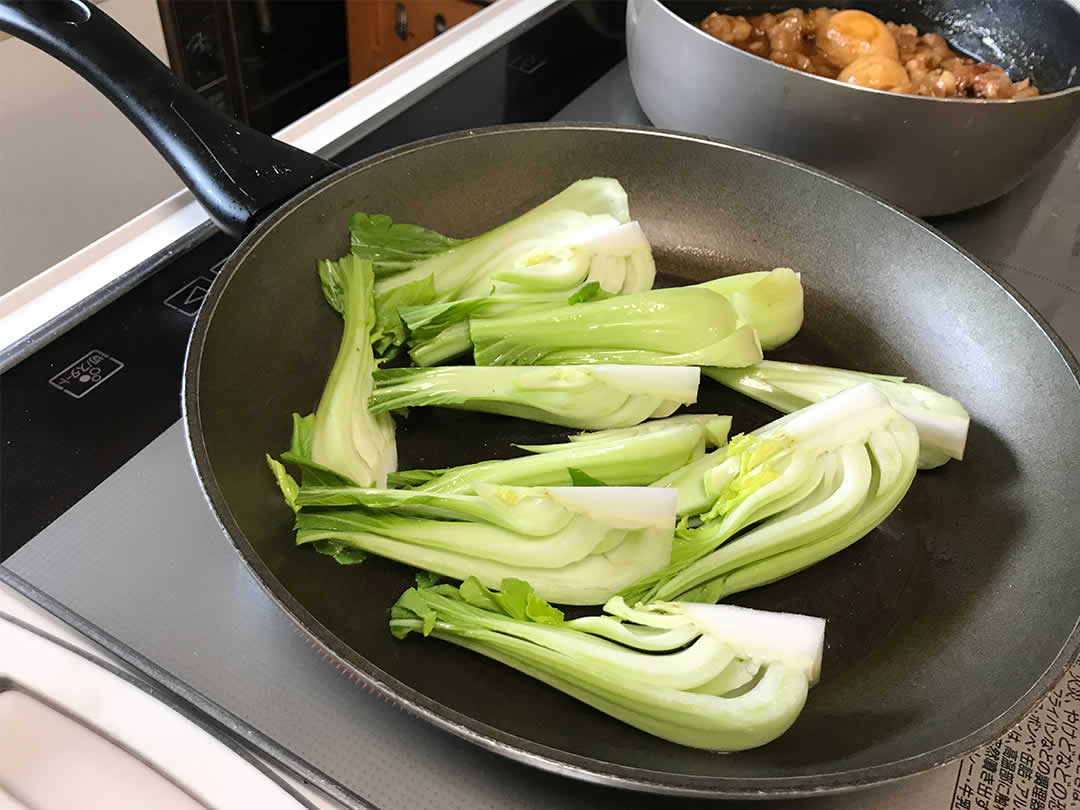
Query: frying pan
(944,625)
(929,156)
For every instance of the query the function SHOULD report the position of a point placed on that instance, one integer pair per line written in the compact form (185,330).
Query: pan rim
(912,99)
(517,748)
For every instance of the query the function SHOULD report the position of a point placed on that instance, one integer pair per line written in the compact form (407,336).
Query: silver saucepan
(931,156)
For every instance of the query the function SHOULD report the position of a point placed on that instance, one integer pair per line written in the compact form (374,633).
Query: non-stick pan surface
(944,625)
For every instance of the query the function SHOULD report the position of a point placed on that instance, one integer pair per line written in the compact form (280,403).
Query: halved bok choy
(786,496)
(942,422)
(594,397)
(583,235)
(344,436)
(694,325)
(576,545)
(708,676)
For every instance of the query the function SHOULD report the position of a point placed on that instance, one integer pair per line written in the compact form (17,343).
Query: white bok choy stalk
(577,545)
(587,397)
(789,495)
(709,324)
(344,435)
(620,457)
(942,422)
(706,676)
(582,236)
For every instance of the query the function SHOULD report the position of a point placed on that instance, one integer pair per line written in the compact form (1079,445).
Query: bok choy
(581,236)
(576,545)
(707,676)
(625,457)
(345,436)
(587,397)
(941,420)
(709,324)
(789,495)
(679,326)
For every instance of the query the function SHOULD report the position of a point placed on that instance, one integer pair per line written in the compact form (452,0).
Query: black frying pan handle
(236,172)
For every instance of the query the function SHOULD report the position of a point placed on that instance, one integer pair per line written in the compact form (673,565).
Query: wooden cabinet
(381,31)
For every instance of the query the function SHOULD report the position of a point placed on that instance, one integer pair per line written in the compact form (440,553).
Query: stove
(103,523)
